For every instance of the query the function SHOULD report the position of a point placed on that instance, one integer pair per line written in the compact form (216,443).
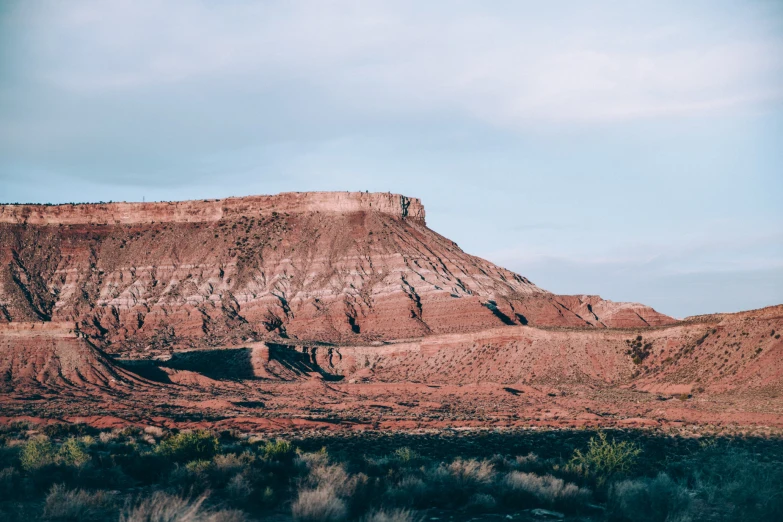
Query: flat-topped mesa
(334,267)
(196,211)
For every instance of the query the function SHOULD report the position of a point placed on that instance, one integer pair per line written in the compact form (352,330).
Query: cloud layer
(512,63)
(542,135)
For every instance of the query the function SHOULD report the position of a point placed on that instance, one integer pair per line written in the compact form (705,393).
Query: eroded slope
(346,268)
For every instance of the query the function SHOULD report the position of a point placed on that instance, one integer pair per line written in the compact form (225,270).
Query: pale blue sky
(628,149)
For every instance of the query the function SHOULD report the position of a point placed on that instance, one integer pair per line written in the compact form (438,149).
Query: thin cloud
(505,67)
(706,254)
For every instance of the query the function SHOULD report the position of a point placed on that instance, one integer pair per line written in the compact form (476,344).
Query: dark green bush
(60,430)
(10,482)
(146,468)
(656,499)
(187,446)
(279,450)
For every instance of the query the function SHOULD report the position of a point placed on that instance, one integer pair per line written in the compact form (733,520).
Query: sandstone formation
(329,267)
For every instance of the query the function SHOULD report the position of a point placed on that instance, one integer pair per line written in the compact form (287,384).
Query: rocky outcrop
(601,312)
(345,268)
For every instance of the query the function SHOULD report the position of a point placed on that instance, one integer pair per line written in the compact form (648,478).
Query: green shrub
(188,446)
(199,466)
(73,452)
(279,450)
(604,458)
(406,455)
(145,468)
(37,453)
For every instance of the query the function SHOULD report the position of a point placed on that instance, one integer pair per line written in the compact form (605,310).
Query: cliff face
(205,211)
(330,267)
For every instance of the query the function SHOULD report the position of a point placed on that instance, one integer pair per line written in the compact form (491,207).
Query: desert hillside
(346,268)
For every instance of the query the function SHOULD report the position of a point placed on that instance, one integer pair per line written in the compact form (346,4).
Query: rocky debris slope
(53,355)
(346,268)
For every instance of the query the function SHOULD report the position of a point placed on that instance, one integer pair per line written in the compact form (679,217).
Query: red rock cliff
(200,211)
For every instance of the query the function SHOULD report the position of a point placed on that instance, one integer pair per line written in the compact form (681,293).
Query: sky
(628,149)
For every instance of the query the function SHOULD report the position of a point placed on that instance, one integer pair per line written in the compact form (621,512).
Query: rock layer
(208,210)
(345,268)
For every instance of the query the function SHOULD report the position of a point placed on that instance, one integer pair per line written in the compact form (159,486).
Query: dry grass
(319,505)
(76,504)
(239,487)
(551,491)
(471,472)
(394,515)
(161,507)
